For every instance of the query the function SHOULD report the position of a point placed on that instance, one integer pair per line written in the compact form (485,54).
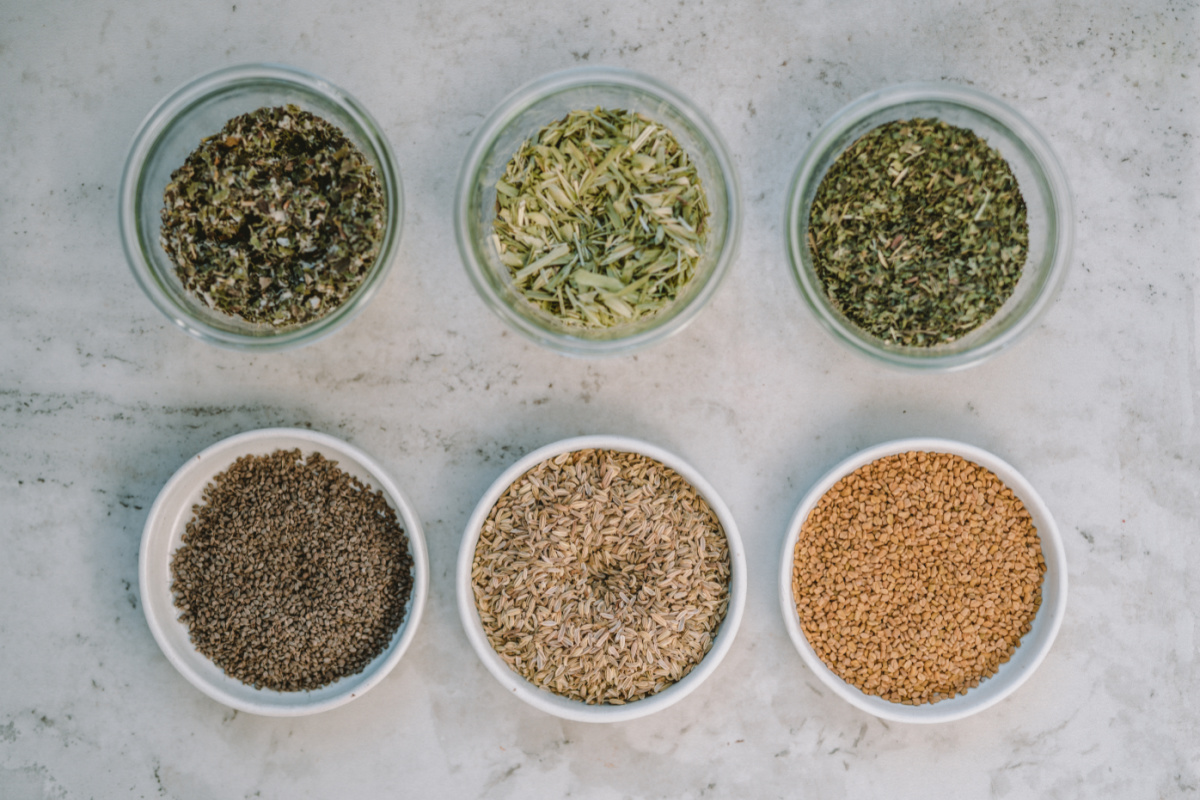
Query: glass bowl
(1043,185)
(559,705)
(518,118)
(163,535)
(1035,644)
(168,136)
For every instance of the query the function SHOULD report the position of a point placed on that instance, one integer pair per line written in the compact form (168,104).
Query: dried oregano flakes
(277,219)
(918,232)
(601,218)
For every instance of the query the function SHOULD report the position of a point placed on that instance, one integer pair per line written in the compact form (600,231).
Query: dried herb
(277,219)
(601,218)
(918,232)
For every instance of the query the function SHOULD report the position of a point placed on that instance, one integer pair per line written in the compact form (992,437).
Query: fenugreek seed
(938,629)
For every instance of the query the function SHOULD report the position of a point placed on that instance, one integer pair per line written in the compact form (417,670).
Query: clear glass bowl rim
(154,128)
(1044,162)
(512,107)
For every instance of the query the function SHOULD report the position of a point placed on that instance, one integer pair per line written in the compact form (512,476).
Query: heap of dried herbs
(277,219)
(918,232)
(600,218)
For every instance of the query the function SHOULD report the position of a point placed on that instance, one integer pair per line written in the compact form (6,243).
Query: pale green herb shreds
(918,232)
(277,219)
(601,219)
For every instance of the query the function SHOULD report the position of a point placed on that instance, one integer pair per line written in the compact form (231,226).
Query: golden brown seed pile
(292,574)
(916,576)
(601,576)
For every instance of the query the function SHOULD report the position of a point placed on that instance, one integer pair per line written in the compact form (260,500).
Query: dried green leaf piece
(918,232)
(277,219)
(601,218)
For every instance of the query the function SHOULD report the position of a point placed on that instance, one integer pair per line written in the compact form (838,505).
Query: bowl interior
(1040,179)
(1034,645)
(544,699)
(163,534)
(176,128)
(519,119)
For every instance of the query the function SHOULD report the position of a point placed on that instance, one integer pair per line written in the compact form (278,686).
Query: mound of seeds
(916,576)
(601,576)
(276,219)
(601,218)
(292,574)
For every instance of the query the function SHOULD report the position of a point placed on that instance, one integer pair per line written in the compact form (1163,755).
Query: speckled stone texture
(101,399)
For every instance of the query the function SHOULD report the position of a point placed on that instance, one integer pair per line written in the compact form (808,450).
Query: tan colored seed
(916,576)
(601,576)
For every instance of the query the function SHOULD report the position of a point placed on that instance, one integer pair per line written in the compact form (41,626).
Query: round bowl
(1034,645)
(559,705)
(518,118)
(163,534)
(169,135)
(1043,186)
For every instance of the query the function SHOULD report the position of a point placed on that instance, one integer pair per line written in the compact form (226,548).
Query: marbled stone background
(100,401)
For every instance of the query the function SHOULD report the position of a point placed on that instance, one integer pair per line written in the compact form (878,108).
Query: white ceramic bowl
(565,707)
(163,534)
(1034,644)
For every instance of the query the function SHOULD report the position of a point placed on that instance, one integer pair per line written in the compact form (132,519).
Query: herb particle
(277,219)
(601,218)
(918,232)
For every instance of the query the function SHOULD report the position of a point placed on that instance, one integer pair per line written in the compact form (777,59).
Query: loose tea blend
(600,218)
(916,576)
(601,576)
(277,219)
(292,574)
(918,232)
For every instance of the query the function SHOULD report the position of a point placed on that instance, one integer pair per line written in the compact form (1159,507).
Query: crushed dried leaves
(918,232)
(277,219)
(601,218)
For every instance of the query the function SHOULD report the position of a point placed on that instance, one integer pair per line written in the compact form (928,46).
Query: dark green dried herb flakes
(601,219)
(277,219)
(918,232)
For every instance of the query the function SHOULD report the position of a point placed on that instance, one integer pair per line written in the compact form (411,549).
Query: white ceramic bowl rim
(1034,645)
(558,705)
(548,85)
(168,516)
(1044,160)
